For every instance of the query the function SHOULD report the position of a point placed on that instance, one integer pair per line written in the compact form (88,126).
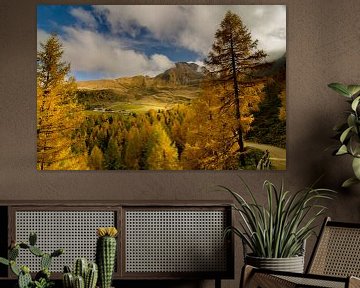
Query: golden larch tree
(209,138)
(161,152)
(58,113)
(233,62)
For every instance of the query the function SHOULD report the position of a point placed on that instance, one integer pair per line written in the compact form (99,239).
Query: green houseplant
(276,233)
(42,278)
(349,132)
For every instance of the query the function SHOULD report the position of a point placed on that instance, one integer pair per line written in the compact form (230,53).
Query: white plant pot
(291,264)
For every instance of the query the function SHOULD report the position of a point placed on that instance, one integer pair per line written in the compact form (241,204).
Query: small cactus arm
(80,267)
(91,276)
(36,251)
(13,253)
(32,238)
(14,268)
(68,280)
(57,253)
(79,282)
(24,280)
(45,261)
(67,269)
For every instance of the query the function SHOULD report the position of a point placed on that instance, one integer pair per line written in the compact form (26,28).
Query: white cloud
(162,20)
(42,36)
(193,27)
(268,25)
(89,51)
(84,17)
(159,63)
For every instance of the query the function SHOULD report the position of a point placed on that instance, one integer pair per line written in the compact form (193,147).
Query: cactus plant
(68,280)
(79,282)
(45,261)
(13,253)
(42,278)
(91,276)
(84,274)
(24,277)
(14,268)
(80,267)
(105,254)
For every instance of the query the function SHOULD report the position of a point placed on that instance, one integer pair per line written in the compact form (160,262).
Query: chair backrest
(337,251)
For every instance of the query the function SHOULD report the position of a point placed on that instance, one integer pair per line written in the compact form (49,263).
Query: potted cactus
(106,254)
(84,275)
(42,278)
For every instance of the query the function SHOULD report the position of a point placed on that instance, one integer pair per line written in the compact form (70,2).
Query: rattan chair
(334,263)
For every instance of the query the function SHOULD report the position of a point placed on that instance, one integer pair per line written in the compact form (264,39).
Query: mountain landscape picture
(161,87)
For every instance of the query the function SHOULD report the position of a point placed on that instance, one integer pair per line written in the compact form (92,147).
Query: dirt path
(277,155)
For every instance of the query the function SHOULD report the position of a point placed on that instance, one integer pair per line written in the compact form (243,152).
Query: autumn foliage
(236,102)
(58,114)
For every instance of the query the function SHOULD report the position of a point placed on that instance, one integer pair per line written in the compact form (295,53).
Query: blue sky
(126,40)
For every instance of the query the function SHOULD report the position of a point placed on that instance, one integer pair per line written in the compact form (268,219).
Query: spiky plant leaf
(340,88)
(349,182)
(280,228)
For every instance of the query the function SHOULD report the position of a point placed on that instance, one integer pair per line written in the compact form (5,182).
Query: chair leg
(251,279)
(246,273)
(217,282)
(354,282)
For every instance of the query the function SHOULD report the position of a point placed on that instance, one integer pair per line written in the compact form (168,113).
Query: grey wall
(323,46)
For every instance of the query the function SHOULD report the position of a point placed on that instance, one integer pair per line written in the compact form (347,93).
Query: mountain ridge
(183,73)
(177,85)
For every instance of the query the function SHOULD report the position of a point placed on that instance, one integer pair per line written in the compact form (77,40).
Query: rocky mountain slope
(179,84)
(182,74)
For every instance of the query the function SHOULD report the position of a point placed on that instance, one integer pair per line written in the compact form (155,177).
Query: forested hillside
(269,125)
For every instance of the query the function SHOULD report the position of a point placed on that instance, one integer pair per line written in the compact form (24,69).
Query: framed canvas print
(161,87)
